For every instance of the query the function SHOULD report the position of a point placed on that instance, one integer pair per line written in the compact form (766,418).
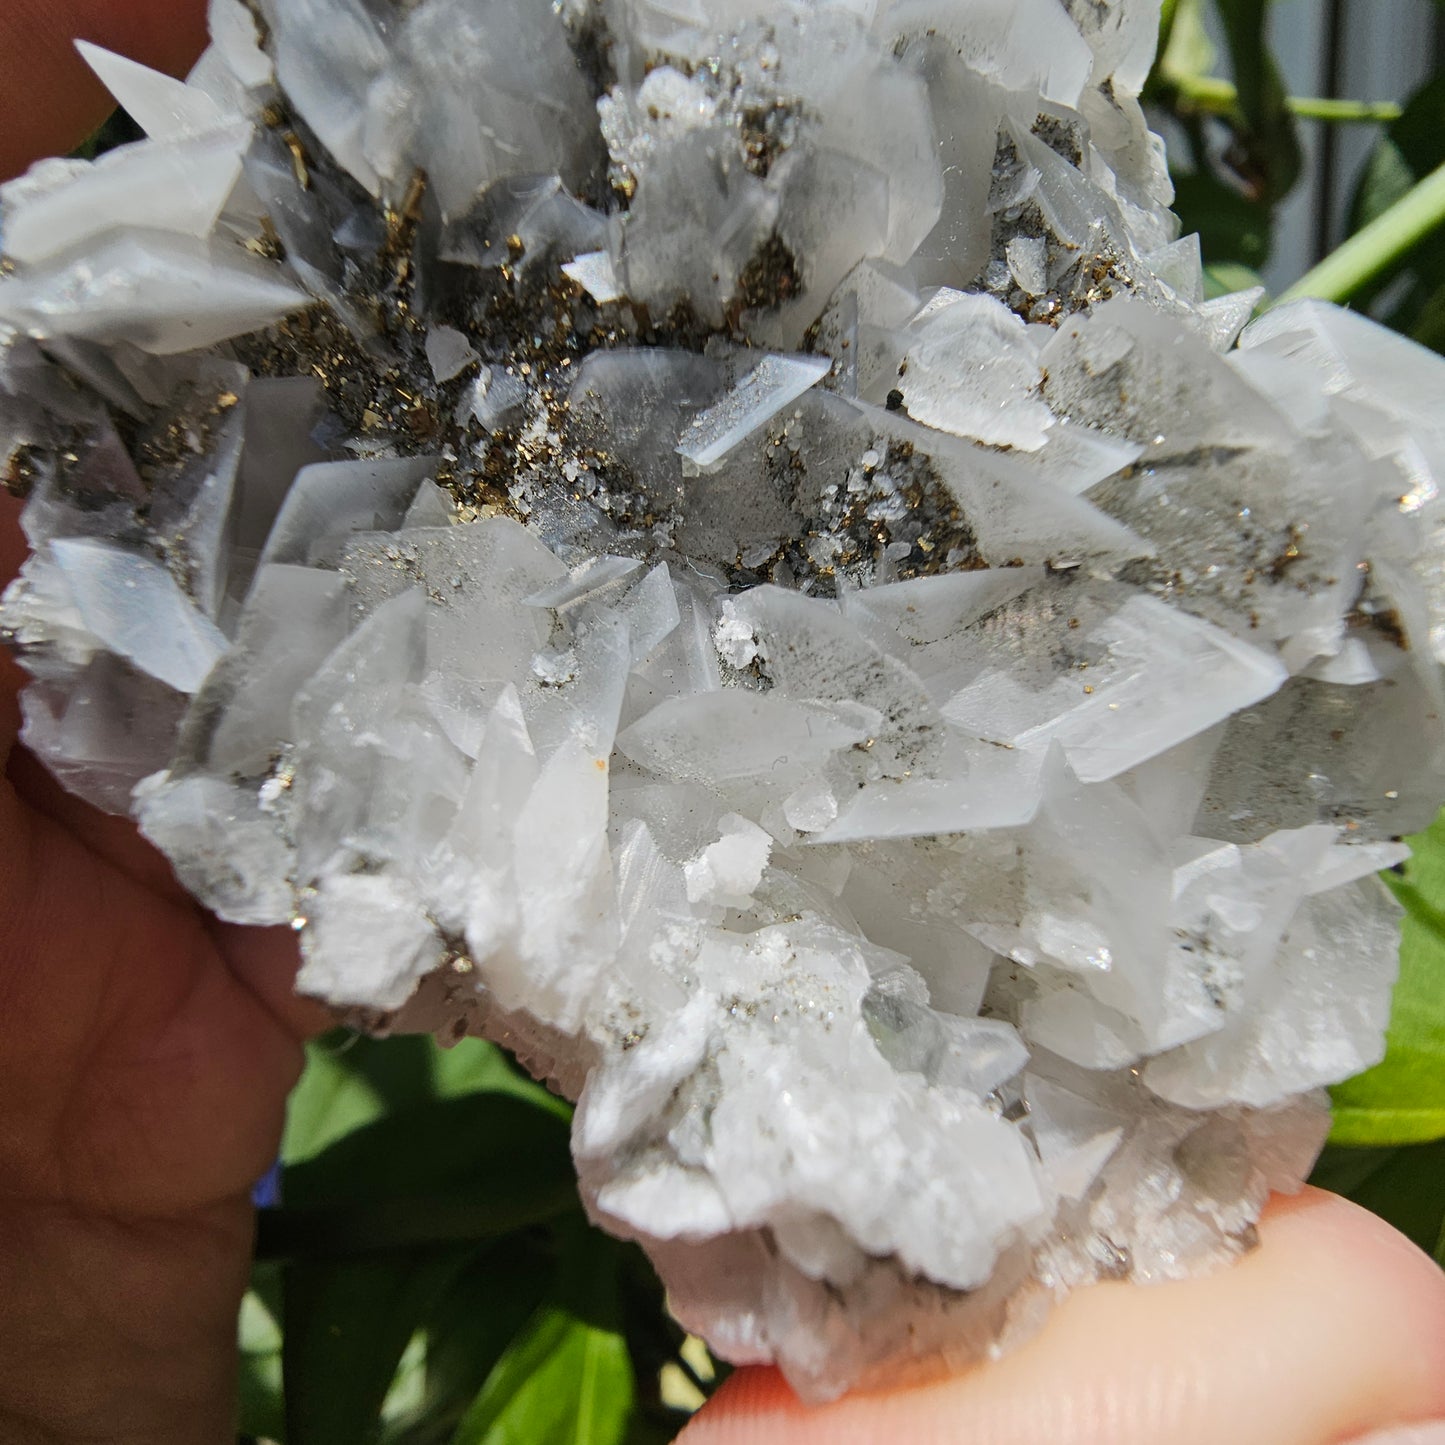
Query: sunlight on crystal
(722,547)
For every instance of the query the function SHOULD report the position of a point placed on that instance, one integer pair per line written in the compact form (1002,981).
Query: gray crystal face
(721,545)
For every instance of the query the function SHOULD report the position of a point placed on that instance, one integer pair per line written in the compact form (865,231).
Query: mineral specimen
(719,544)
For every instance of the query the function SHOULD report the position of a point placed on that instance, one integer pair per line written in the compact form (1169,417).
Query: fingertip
(1334,1327)
(1428,1433)
(1387,1276)
(754,1403)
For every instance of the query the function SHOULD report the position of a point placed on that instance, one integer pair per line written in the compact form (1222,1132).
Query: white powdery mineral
(720,545)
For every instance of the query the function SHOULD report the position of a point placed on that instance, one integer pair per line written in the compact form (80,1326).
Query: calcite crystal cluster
(719,544)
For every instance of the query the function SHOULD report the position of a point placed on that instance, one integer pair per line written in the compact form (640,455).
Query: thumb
(1332,1328)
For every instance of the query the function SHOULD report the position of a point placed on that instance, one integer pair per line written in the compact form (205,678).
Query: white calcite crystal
(721,546)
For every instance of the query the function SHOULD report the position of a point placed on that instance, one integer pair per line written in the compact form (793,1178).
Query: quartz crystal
(720,545)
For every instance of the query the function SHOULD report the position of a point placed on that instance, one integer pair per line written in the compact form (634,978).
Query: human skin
(146,1053)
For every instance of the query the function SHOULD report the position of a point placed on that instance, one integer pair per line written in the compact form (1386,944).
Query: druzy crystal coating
(721,545)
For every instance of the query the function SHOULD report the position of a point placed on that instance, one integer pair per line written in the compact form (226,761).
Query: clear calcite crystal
(720,545)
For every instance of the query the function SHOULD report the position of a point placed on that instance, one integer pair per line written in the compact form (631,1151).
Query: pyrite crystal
(719,544)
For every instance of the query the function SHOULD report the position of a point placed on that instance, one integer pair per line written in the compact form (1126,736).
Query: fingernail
(1425,1433)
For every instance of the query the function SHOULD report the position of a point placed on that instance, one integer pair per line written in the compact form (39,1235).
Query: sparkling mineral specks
(721,545)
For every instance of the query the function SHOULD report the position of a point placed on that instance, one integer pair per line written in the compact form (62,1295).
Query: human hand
(49,100)
(145,1051)
(145,1054)
(1332,1329)
(145,1057)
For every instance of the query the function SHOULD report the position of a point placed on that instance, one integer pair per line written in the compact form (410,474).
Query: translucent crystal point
(720,546)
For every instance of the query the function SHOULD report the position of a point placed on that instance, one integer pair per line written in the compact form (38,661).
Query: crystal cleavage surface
(722,545)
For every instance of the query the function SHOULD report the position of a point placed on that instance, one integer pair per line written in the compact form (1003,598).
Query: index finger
(1334,1327)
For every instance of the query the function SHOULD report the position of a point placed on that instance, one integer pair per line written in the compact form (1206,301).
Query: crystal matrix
(720,545)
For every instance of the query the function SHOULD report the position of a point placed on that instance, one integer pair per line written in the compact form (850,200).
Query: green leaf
(118,129)
(562,1381)
(568,1376)
(1186,51)
(1232,229)
(366,1228)
(672,1373)
(257,1332)
(1415,137)
(474,1066)
(1212,95)
(472,1143)
(1345,1169)
(1404,1186)
(262,1410)
(374,1123)
(1421,315)
(351,1081)
(1386,177)
(1227,193)
(1410,150)
(1224,278)
(466,1333)
(346,1325)
(1269,158)
(443,1171)
(378,1224)
(1402,1099)
(1371,254)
